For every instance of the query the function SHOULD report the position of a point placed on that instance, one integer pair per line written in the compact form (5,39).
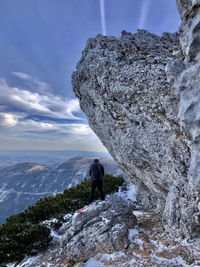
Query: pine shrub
(25,234)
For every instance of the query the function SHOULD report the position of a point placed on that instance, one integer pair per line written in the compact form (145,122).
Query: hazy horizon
(46,156)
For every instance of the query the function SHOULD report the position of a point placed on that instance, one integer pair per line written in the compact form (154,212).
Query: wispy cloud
(41,119)
(103,17)
(77,130)
(32,82)
(19,134)
(144,13)
(8,120)
(34,103)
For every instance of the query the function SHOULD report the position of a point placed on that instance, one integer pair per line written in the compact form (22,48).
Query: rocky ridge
(140,93)
(104,235)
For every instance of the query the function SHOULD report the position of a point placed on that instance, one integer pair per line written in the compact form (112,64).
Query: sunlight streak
(144,13)
(103,19)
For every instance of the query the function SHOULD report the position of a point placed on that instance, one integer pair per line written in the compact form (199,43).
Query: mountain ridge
(45,156)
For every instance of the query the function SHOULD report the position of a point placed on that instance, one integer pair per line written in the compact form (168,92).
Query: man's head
(96,161)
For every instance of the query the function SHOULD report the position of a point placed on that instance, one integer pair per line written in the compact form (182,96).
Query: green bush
(24,234)
(16,240)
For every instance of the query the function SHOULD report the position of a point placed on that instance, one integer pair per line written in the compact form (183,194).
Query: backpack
(96,171)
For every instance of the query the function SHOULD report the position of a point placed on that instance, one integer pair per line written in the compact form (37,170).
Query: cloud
(8,120)
(77,130)
(35,103)
(80,129)
(33,83)
(13,142)
(37,126)
(103,17)
(21,75)
(42,120)
(144,13)
(29,132)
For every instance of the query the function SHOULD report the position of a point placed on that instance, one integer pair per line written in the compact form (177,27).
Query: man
(96,174)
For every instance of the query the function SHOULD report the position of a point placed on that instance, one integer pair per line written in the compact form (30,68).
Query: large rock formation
(140,94)
(183,205)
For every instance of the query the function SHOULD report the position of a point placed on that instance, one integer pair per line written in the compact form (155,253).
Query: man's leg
(100,188)
(92,189)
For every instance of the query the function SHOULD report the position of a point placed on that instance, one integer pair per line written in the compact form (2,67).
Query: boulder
(101,228)
(141,95)
(123,89)
(132,107)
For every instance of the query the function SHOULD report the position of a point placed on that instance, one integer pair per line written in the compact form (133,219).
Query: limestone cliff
(141,96)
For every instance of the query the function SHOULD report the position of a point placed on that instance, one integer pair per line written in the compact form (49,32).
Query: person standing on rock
(96,173)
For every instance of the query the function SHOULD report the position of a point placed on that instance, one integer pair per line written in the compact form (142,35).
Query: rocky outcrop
(141,96)
(123,90)
(183,206)
(149,245)
(101,228)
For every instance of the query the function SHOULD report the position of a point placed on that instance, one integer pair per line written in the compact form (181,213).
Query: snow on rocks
(102,227)
(149,243)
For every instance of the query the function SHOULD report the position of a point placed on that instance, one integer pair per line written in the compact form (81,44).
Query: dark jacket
(96,171)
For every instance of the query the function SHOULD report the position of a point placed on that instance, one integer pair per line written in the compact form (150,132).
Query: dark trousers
(99,184)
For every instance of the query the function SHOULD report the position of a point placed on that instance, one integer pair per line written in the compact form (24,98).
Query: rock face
(183,209)
(141,96)
(123,90)
(103,228)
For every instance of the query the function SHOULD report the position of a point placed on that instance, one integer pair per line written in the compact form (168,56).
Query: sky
(40,44)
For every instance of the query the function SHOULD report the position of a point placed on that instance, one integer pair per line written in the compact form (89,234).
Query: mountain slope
(23,184)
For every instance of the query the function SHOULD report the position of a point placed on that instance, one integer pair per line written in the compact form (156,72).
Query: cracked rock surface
(103,227)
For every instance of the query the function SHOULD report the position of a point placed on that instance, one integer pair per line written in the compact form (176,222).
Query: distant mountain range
(24,183)
(45,156)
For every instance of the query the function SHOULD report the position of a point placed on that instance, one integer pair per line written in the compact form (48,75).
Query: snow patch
(26,263)
(23,185)
(3,195)
(105,220)
(94,263)
(173,262)
(131,193)
(97,261)
(133,233)
(138,212)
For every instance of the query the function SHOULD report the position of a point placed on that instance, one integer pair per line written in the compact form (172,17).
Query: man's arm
(90,172)
(102,170)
